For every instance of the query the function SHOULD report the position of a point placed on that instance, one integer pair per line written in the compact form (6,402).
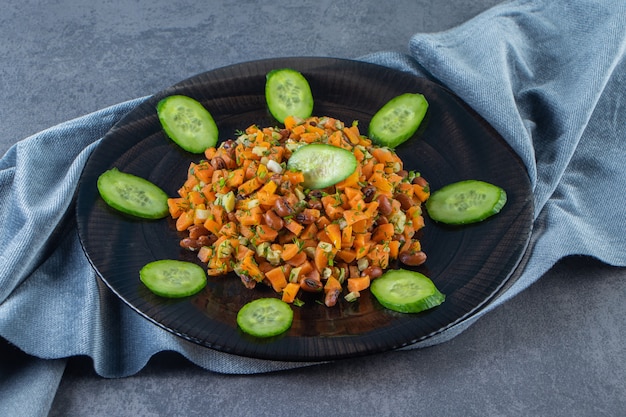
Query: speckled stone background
(558,349)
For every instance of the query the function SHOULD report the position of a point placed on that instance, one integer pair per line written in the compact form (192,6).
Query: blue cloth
(548,75)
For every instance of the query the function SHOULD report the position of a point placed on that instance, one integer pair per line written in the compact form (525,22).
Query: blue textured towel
(548,75)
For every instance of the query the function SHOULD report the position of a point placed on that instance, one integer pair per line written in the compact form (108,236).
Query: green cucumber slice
(265,317)
(322,165)
(288,93)
(464,202)
(173,279)
(132,195)
(398,119)
(187,123)
(406,291)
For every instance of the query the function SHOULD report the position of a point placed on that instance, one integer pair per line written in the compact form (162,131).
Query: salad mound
(244,209)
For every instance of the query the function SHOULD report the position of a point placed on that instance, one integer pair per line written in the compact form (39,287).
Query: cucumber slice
(173,279)
(465,202)
(406,291)
(322,165)
(187,123)
(265,317)
(398,120)
(287,93)
(132,195)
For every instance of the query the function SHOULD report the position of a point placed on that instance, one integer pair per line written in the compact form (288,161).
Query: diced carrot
(378,256)
(185,220)
(380,182)
(235,178)
(205,253)
(334,234)
(290,292)
(309,232)
(353,216)
(289,251)
(422,192)
(277,279)
(249,186)
(293,226)
(394,249)
(383,232)
(204,171)
(347,255)
(321,258)
(249,267)
(266,233)
(290,122)
(358,284)
(352,133)
(332,283)
(212,226)
(177,206)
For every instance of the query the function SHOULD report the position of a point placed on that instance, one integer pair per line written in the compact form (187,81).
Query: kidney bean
(372,271)
(305,217)
(311,285)
(412,259)
(315,204)
(230,147)
(196,231)
(218,163)
(282,207)
(368,193)
(384,205)
(331,298)
(420,181)
(405,201)
(273,220)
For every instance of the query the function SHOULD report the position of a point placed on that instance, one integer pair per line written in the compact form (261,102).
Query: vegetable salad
(242,210)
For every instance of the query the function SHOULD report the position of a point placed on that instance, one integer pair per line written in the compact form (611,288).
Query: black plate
(468,264)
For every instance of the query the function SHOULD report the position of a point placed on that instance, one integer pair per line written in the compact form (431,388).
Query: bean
(282,208)
(315,204)
(331,298)
(218,163)
(368,193)
(206,240)
(311,285)
(384,205)
(273,220)
(316,194)
(189,243)
(230,147)
(405,201)
(305,217)
(412,259)
(196,231)
(403,173)
(420,181)
(372,271)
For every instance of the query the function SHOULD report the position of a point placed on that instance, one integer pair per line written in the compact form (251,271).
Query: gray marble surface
(557,349)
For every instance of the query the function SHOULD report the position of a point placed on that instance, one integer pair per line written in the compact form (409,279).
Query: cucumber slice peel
(395,122)
(173,279)
(187,123)
(265,317)
(406,291)
(287,93)
(132,195)
(322,165)
(465,202)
